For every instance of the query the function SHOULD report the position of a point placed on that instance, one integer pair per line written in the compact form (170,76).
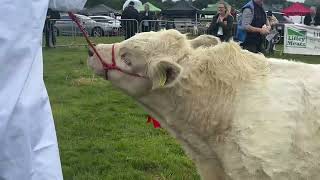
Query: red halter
(106,66)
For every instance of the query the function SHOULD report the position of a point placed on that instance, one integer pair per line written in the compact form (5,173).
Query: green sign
(296,38)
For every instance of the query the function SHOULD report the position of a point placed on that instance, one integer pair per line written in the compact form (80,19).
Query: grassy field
(102,133)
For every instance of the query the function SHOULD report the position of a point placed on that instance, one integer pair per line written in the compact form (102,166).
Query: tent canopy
(152,7)
(211,9)
(181,9)
(100,9)
(296,9)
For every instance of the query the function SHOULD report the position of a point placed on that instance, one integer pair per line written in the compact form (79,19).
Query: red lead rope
(86,36)
(106,66)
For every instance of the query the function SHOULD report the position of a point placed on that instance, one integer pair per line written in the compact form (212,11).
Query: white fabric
(28,145)
(220,31)
(67,5)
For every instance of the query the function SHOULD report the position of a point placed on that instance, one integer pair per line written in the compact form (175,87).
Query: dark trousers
(131,28)
(255,47)
(146,28)
(50,35)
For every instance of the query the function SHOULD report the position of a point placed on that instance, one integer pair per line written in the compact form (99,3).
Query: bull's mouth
(94,65)
(90,53)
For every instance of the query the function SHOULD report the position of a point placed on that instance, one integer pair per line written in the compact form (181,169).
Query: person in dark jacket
(221,24)
(253,26)
(50,34)
(130,21)
(146,17)
(312,19)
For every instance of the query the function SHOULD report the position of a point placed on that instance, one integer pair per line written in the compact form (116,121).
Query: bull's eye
(123,55)
(126,60)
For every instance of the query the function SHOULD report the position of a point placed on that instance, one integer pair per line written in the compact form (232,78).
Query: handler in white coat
(28,144)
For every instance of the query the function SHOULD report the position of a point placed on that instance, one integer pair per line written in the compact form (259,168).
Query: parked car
(65,26)
(107,19)
(114,23)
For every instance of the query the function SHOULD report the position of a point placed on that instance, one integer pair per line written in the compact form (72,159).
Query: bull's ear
(164,73)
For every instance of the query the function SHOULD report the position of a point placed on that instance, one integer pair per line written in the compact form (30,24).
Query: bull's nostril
(90,52)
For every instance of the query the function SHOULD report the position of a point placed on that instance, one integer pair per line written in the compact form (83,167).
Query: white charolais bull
(238,115)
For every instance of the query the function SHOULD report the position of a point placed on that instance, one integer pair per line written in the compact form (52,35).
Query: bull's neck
(205,110)
(161,105)
(195,117)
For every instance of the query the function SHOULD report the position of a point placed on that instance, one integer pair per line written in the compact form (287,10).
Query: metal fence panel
(66,33)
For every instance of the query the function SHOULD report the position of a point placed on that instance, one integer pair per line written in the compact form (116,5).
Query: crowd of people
(254,26)
(255,29)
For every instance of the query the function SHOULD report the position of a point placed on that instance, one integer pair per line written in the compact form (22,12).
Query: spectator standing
(222,23)
(233,13)
(157,24)
(50,34)
(312,19)
(146,17)
(131,18)
(253,26)
(170,24)
(273,35)
(29,149)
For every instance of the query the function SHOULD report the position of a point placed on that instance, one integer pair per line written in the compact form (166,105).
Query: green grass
(102,133)
(303,58)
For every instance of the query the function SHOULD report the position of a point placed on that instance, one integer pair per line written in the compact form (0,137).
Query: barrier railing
(66,33)
(156,25)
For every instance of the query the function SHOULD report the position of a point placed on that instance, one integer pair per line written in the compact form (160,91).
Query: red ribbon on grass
(155,123)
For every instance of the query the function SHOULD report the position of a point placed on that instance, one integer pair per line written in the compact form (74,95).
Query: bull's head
(147,61)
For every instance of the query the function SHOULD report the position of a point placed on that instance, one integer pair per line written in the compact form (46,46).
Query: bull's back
(277,122)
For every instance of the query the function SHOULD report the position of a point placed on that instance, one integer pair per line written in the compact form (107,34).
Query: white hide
(238,115)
